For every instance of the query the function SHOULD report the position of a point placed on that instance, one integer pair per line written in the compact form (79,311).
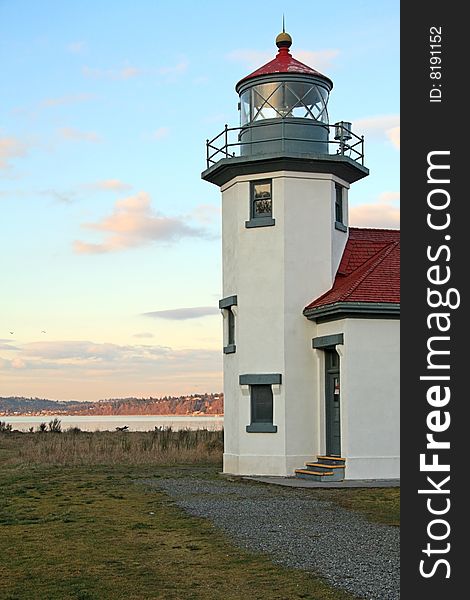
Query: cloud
(385,212)
(172,70)
(160,133)
(11,147)
(108,185)
(86,370)
(206,213)
(62,197)
(95,357)
(379,128)
(143,335)
(78,47)
(67,99)
(252,59)
(85,350)
(134,223)
(182,314)
(393,135)
(75,135)
(122,73)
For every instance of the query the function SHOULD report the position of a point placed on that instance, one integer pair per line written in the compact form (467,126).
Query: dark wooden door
(333,404)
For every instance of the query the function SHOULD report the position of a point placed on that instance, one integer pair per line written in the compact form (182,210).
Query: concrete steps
(326,468)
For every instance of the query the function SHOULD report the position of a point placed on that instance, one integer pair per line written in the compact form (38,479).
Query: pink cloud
(380,127)
(383,213)
(75,135)
(108,185)
(134,223)
(11,147)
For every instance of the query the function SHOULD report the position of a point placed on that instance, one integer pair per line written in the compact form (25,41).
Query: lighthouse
(284,175)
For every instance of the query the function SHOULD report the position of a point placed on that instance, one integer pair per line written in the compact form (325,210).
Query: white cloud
(177,69)
(122,73)
(67,99)
(134,223)
(183,314)
(78,47)
(160,133)
(75,135)
(385,212)
(381,127)
(206,213)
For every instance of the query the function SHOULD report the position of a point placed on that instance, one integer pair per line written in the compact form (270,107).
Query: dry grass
(77,448)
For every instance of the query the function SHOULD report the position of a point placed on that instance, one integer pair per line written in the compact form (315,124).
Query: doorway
(332,403)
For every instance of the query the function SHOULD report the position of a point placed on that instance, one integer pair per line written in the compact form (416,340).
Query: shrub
(55,425)
(5,427)
(42,427)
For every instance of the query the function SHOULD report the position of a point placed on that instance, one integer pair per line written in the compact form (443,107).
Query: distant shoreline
(93,414)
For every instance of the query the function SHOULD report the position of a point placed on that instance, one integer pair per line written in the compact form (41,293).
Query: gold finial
(283,40)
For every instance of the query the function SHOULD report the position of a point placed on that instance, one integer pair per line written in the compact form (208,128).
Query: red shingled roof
(284,62)
(369,270)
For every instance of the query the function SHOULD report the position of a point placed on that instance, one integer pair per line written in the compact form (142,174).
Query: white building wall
(274,272)
(370,396)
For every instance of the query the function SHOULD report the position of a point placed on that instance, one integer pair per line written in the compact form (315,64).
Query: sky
(110,255)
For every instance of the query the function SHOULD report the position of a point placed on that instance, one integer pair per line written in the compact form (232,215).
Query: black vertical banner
(434,327)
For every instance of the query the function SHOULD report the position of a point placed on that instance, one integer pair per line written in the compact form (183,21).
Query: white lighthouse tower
(284,181)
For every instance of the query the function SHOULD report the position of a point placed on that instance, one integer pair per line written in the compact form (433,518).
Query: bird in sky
(12,332)
(43,331)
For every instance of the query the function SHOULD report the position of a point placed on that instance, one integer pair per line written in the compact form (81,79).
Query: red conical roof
(284,62)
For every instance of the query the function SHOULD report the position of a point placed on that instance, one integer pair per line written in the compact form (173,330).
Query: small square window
(261,204)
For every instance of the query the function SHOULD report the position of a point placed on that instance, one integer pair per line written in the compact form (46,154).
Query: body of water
(109,423)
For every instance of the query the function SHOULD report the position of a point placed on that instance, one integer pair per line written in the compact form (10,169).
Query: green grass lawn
(93,532)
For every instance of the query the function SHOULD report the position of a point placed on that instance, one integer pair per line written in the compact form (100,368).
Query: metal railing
(228,142)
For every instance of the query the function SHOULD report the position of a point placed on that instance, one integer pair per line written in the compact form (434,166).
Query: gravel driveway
(297,530)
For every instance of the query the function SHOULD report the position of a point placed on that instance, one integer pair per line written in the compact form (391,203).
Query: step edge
(327,466)
(324,457)
(307,472)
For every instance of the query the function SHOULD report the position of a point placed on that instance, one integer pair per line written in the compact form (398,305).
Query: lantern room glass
(294,99)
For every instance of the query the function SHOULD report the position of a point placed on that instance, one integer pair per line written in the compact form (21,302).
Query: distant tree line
(205,404)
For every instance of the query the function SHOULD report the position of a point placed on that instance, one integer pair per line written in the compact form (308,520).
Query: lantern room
(283,106)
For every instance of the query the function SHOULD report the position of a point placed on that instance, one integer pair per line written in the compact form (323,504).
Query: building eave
(361,310)
(227,168)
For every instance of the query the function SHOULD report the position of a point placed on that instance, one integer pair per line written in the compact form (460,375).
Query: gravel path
(298,531)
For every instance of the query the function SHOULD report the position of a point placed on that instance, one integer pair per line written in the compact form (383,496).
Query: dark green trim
(260,222)
(335,164)
(230,349)
(340,226)
(260,379)
(228,302)
(343,310)
(249,82)
(328,341)
(261,428)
